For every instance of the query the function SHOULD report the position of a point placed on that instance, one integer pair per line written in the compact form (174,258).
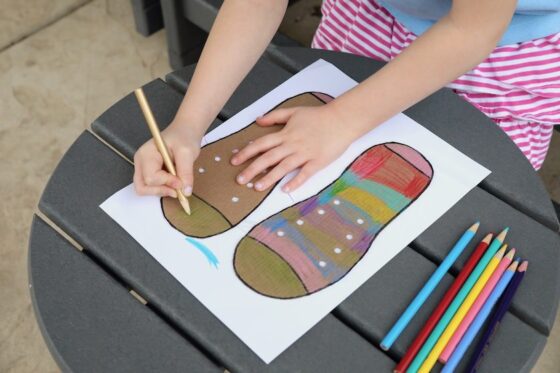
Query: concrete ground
(62,63)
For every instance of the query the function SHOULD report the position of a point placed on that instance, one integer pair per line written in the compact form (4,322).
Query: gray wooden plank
(88,174)
(460,124)
(537,300)
(262,78)
(91,323)
(376,305)
(123,125)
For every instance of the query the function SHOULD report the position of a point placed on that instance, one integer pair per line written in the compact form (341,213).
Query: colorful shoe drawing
(218,202)
(313,244)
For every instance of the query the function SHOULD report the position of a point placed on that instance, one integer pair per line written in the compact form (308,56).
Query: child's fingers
(260,145)
(308,170)
(287,165)
(149,166)
(162,177)
(184,160)
(263,162)
(143,190)
(162,191)
(278,116)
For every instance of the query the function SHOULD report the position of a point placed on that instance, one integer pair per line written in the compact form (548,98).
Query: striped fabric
(517,86)
(316,242)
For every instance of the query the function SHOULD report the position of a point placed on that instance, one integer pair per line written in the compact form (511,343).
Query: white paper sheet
(267,325)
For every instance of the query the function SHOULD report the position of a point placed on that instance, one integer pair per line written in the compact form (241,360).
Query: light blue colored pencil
(479,320)
(430,285)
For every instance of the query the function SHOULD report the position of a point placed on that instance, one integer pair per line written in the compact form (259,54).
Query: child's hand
(311,138)
(150,178)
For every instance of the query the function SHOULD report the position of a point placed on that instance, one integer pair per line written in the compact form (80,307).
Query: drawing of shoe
(218,202)
(316,242)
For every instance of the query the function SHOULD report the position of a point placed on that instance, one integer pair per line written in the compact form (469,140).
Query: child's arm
(240,34)
(313,137)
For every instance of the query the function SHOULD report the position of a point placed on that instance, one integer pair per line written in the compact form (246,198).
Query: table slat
(91,323)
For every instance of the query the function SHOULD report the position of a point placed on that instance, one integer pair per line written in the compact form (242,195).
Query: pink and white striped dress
(517,86)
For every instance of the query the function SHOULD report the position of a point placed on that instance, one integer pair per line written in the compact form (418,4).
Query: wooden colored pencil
(477,305)
(457,301)
(442,306)
(160,144)
(427,289)
(497,317)
(462,311)
(478,322)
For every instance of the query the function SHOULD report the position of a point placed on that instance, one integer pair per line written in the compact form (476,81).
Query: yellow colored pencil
(462,311)
(160,144)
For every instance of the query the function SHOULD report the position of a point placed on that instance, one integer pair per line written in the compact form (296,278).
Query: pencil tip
(475,226)
(502,235)
(488,238)
(523,266)
(510,254)
(513,265)
(501,252)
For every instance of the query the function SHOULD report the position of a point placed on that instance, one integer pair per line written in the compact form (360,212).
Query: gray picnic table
(104,304)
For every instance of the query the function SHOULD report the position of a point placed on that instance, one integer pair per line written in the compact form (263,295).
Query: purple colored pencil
(496,318)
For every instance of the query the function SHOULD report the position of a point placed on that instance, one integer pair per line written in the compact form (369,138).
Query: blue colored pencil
(425,292)
(479,320)
(497,317)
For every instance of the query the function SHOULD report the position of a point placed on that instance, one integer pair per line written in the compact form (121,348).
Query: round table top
(111,306)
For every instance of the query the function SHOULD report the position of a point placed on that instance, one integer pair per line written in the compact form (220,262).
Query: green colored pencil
(454,306)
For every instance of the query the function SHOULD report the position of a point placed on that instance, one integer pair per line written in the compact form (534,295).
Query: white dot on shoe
(320,211)
(234,199)
(360,221)
(280,233)
(217,159)
(322,264)
(349,236)
(337,250)
(249,185)
(201,170)
(336,202)
(299,222)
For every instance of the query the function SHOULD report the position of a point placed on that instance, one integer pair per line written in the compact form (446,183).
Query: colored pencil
(442,306)
(497,317)
(478,322)
(427,289)
(477,305)
(160,144)
(457,301)
(462,311)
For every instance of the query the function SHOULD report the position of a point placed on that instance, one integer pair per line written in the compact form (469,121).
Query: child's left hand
(312,138)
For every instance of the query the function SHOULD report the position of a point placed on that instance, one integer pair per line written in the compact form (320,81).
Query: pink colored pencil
(479,302)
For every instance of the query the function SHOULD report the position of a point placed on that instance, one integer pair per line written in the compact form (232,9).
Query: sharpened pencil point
(510,254)
(501,252)
(185,205)
(488,238)
(513,265)
(502,236)
(474,227)
(523,266)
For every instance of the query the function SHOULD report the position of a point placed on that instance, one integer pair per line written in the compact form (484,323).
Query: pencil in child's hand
(160,144)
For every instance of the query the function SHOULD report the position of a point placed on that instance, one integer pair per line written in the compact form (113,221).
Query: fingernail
(234,161)
(187,191)
(258,186)
(286,188)
(240,179)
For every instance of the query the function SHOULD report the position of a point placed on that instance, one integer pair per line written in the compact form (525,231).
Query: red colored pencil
(442,306)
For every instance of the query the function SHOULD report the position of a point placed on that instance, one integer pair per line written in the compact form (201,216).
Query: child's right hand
(150,177)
